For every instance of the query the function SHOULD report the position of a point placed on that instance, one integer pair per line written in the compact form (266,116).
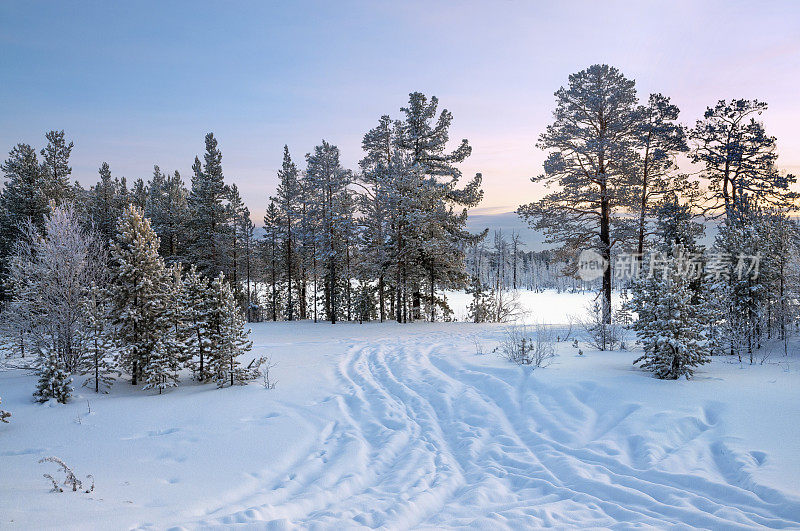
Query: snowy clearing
(405,426)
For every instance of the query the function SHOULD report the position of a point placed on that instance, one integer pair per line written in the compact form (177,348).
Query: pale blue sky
(138,83)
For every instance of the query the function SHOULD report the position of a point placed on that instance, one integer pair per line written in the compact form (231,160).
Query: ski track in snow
(422,441)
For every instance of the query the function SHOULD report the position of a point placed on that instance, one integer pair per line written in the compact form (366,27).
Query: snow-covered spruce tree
(98,339)
(138,194)
(670,326)
(364,302)
(172,349)
(138,297)
(161,371)
(228,335)
(197,308)
(592,154)
(4,415)
(54,380)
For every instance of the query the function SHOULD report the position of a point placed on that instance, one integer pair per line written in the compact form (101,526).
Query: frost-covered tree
(591,163)
(161,371)
(375,181)
(437,220)
(173,347)
(98,339)
(54,380)
(139,287)
(329,182)
(51,271)
(228,336)
(670,325)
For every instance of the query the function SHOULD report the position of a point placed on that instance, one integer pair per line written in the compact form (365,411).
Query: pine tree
(162,366)
(481,306)
(54,381)
(208,227)
(139,292)
(659,139)
(288,201)
(592,153)
(239,221)
(106,201)
(98,341)
(739,157)
(379,147)
(55,165)
(269,250)
(228,337)
(138,195)
(741,295)
(427,234)
(329,181)
(197,308)
(670,325)
(24,196)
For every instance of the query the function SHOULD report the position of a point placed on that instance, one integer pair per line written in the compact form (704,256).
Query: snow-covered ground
(398,426)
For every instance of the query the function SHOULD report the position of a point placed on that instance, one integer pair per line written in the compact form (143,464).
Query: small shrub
(524,348)
(70,479)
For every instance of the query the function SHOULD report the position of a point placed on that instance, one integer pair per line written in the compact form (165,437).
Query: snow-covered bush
(4,414)
(600,335)
(262,366)
(522,347)
(491,305)
(70,479)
